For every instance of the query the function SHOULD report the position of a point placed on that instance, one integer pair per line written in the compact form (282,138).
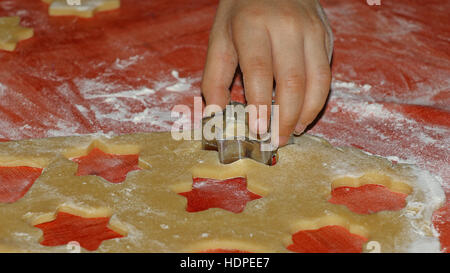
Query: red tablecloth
(124,70)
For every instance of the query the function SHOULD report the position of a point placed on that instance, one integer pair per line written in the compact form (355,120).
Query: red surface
(231,194)
(368,198)
(61,81)
(16,181)
(441,220)
(88,232)
(113,168)
(328,239)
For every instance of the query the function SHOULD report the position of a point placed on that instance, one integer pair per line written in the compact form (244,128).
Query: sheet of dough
(11,32)
(148,209)
(81,8)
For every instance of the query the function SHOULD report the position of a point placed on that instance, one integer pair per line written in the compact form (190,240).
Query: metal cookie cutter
(232,145)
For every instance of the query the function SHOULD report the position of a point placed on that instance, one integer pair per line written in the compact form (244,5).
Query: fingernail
(299,129)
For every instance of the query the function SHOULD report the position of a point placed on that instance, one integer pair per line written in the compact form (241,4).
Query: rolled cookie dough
(81,8)
(11,32)
(147,209)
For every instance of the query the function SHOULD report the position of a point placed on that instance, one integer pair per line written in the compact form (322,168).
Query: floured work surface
(148,213)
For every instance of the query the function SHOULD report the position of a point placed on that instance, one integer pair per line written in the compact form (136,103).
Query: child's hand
(286,40)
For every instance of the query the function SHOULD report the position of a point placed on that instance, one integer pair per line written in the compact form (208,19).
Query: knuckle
(250,13)
(290,16)
(290,21)
(253,12)
(226,58)
(323,74)
(293,82)
(259,67)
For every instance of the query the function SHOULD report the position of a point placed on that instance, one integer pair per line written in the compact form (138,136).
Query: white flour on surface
(432,187)
(376,126)
(139,94)
(112,102)
(123,64)
(182,84)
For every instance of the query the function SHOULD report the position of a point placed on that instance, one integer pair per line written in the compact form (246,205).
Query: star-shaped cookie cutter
(231,145)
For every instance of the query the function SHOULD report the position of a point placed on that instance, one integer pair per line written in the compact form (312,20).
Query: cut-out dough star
(328,239)
(16,181)
(11,33)
(88,232)
(113,168)
(230,194)
(81,8)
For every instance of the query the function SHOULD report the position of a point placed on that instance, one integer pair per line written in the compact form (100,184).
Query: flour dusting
(123,64)
(183,84)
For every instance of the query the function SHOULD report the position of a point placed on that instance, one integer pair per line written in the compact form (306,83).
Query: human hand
(289,41)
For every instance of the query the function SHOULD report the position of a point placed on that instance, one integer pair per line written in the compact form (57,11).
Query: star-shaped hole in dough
(328,239)
(292,191)
(16,181)
(229,194)
(81,8)
(88,232)
(11,32)
(112,167)
(369,193)
(368,199)
(327,234)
